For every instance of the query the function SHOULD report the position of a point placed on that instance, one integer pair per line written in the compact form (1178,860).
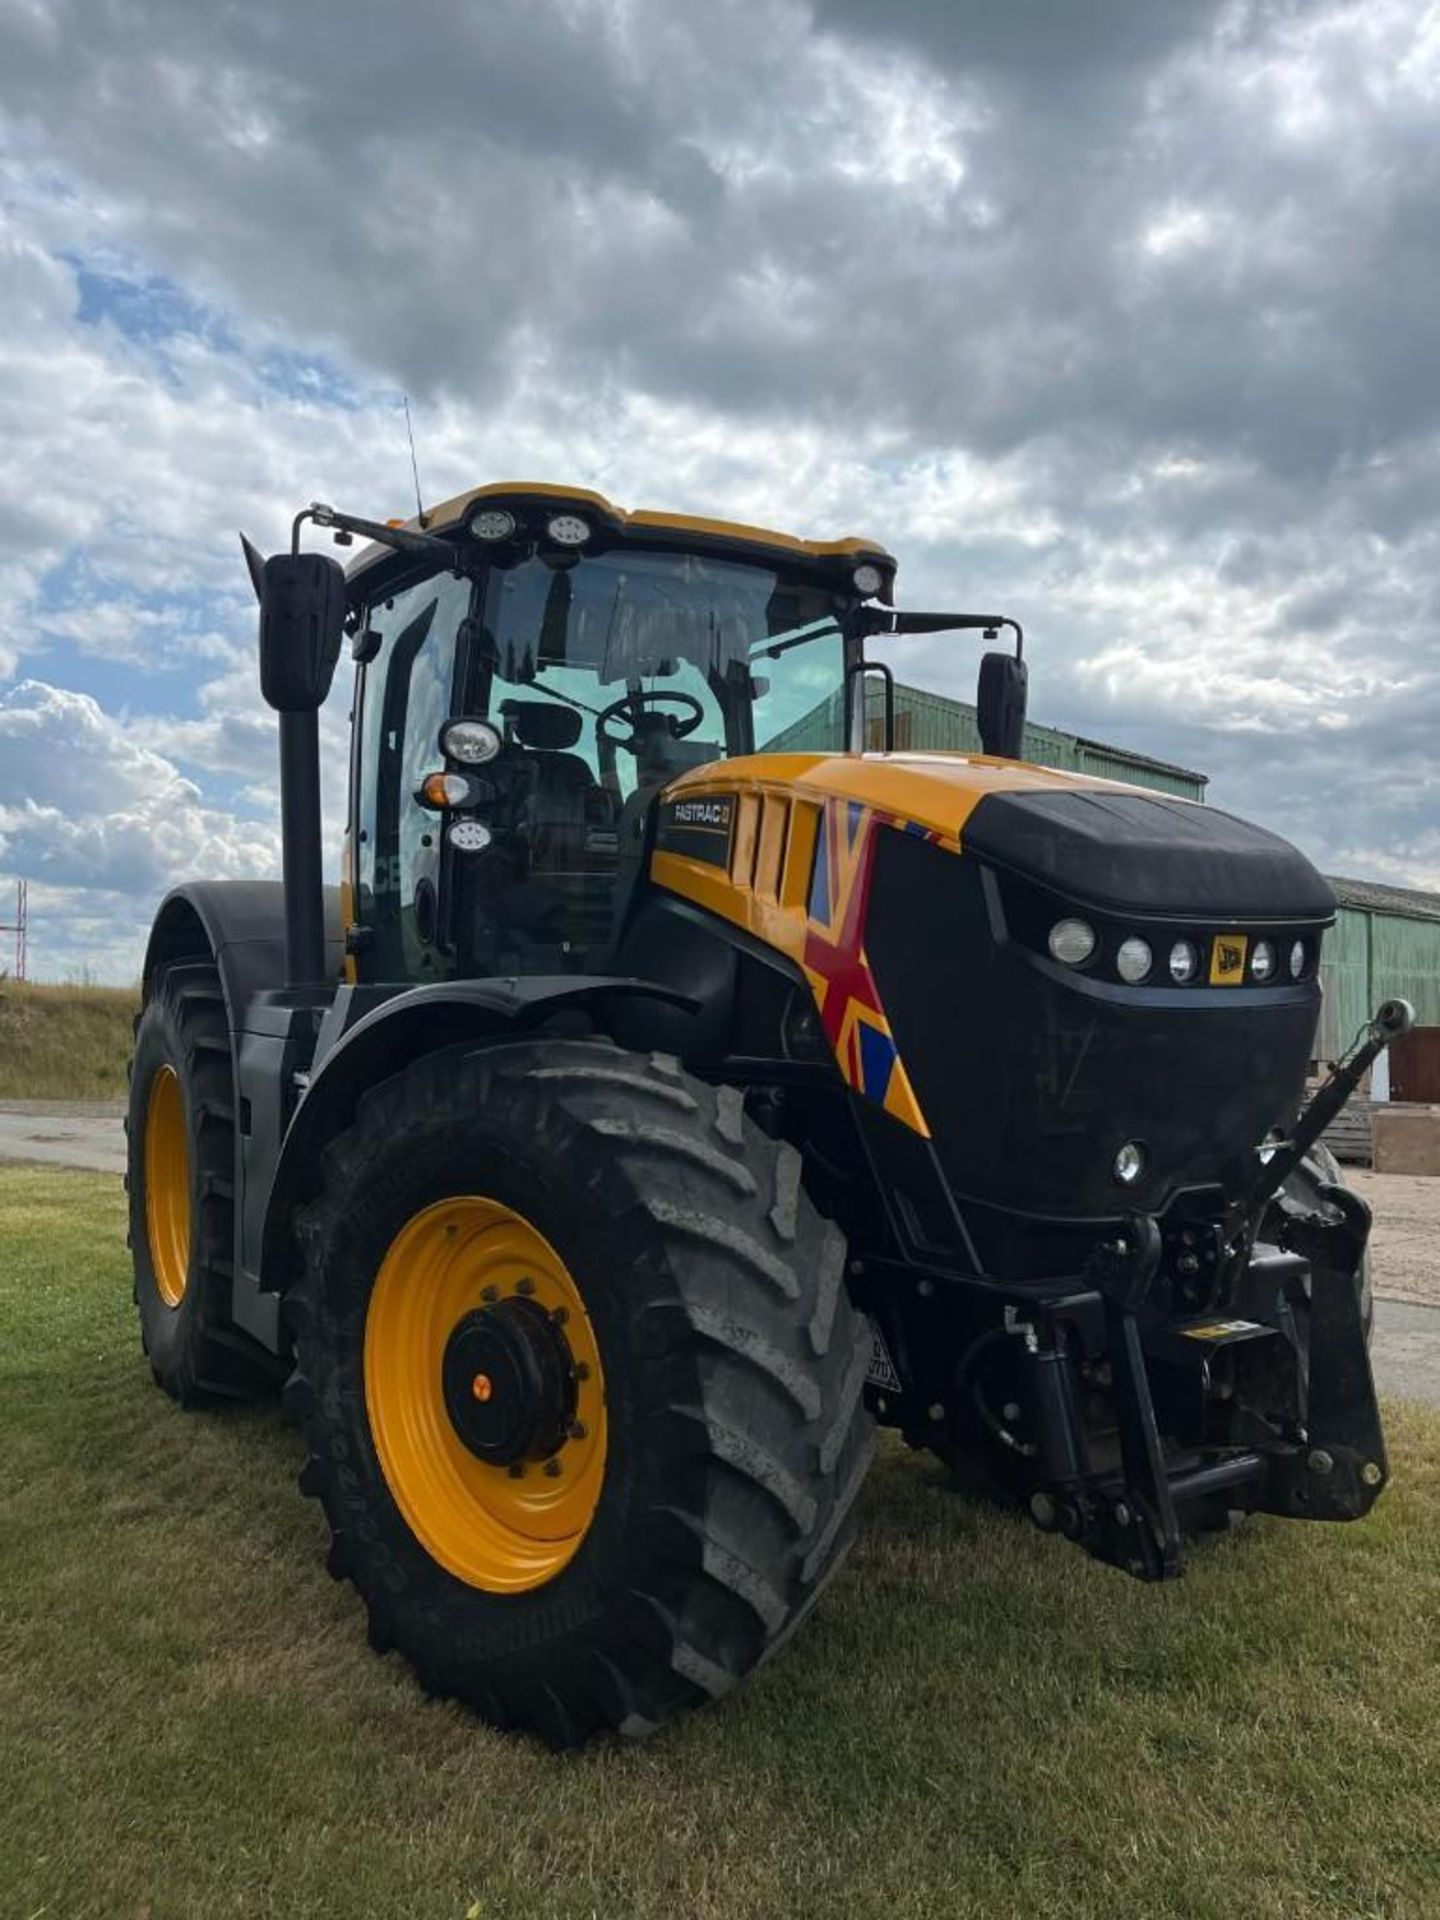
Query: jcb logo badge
(1227,960)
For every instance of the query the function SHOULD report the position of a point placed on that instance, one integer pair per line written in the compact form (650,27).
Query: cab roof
(454,513)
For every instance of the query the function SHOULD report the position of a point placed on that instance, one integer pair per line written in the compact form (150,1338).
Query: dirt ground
(1405,1240)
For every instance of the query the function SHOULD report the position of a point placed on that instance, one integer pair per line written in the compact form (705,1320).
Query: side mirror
(1000,705)
(302,623)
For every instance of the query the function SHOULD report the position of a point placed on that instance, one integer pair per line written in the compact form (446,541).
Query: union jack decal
(835,963)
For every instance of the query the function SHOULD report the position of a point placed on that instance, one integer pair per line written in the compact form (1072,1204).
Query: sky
(1117,314)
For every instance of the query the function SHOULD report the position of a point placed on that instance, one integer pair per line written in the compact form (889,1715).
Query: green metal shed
(927,721)
(1385,943)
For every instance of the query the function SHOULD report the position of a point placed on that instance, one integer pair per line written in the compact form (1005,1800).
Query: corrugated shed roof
(1376,896)
(1142,760)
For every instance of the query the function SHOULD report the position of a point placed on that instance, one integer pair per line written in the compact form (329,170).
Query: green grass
(64,1043)
(978,1721)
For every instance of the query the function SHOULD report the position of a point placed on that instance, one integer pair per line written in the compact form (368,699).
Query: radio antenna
(414,467)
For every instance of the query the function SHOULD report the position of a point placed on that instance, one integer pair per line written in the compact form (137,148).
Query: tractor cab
(517,717)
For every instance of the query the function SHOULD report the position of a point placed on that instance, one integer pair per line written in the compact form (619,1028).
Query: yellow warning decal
(1227,960)
(1220,1329)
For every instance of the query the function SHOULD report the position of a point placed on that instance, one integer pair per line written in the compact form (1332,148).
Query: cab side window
(406,695)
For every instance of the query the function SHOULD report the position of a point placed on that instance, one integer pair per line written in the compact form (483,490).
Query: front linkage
(1215,1365)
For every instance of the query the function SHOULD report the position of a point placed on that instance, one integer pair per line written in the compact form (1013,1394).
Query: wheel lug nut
(578,1430)
(525,1286)
(517,1471)
(560,1316)
(489,1293)
(582,1370)
(552,1469)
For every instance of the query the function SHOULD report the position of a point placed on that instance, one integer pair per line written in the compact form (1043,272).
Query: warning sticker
(881,1371)
(1221,1329)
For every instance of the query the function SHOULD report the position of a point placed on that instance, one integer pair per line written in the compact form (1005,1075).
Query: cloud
(1116,316)
(88,808)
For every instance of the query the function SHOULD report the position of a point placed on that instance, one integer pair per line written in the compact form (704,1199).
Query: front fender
(240,925)
(423,1020)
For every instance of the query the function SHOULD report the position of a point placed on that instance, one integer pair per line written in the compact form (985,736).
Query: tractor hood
(1123,851)
(1118,848)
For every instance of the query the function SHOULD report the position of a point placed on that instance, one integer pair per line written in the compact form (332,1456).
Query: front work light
(469,836)
(568,529)
(1262,961)
(1134,960)
(867,579)
(1298,957)
(1072,941)
(471,742)
(492,523)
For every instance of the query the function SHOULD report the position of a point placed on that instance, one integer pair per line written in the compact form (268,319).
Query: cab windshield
(607,677)
(688,635)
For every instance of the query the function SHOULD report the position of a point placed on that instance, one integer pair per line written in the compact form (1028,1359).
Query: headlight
(471,742)
(1129,1163)
(568,529)
(1184,962)
(1134,959)
(1072,941)
(492,523)
(867,579)
(1298,957)
(1262,961)
(469,836)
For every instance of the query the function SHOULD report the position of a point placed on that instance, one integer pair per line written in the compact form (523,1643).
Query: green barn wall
(929,722)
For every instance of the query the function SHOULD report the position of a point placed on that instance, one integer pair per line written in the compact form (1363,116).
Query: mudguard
(241,925)
(423,1020)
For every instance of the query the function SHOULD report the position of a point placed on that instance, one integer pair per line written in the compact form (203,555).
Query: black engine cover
(1031,1075)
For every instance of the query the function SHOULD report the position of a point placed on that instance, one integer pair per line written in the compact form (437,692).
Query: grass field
(64,1043)
(978,1721)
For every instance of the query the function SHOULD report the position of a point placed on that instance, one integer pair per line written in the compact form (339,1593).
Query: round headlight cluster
(1134,960)
(471,742)
(866,579)
(492,523)
(1184,962)
(1072,941)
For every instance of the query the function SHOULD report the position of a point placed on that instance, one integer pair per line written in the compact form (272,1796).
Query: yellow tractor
(674,1090)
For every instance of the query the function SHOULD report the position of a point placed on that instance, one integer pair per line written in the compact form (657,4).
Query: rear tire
(181,1182)
(735,1438)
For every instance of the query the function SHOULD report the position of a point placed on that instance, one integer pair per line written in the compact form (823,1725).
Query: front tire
(655,1480)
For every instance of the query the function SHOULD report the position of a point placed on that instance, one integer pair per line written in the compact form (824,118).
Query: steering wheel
(631,707)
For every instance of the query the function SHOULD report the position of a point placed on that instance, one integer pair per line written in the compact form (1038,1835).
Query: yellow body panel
(800,847)
(938,791)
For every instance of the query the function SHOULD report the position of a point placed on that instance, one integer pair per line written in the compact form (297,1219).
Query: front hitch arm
(1390,1020)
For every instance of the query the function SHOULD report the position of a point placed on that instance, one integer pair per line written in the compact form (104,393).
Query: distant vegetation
(64,1043)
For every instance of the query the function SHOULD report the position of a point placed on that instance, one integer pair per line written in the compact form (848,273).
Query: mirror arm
(891,620)
(400,538)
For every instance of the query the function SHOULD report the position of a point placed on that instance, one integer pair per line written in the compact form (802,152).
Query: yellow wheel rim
(503,1528)
(167,1186)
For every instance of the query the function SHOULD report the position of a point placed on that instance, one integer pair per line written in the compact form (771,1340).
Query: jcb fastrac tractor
(675,1089)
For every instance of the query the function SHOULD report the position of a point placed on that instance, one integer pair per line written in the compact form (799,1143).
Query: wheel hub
(509,1382)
